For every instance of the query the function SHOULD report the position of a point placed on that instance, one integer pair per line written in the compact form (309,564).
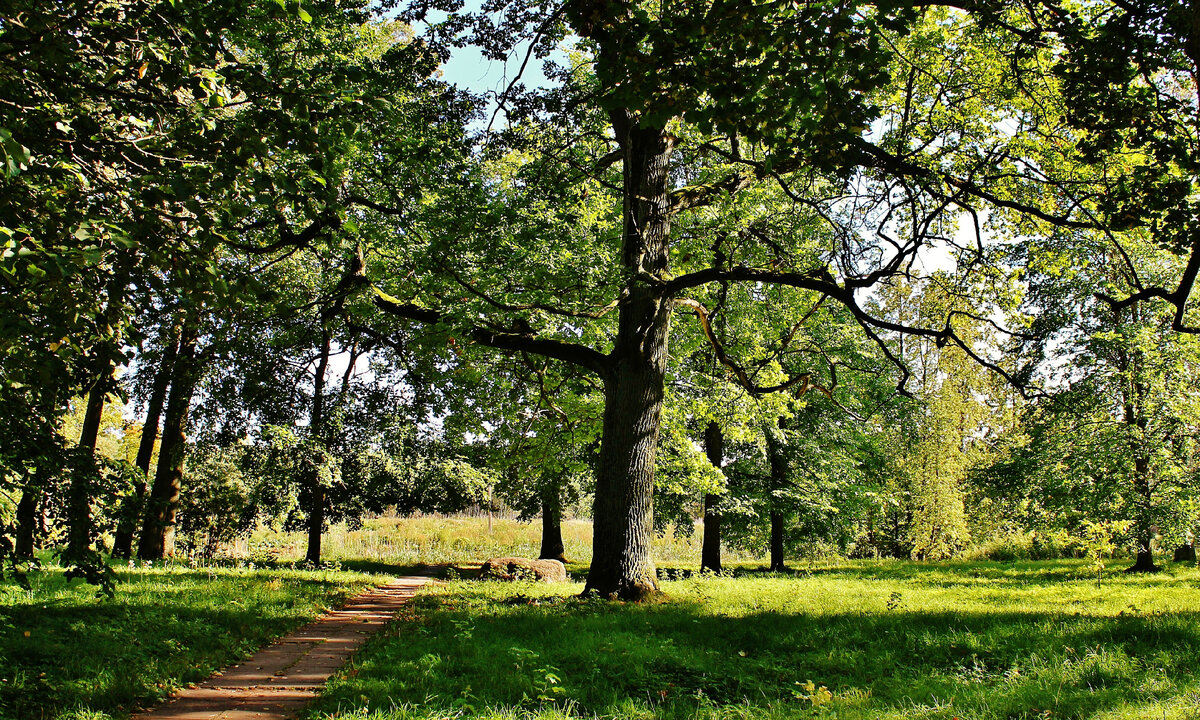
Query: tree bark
(622,566)
(710,549)
(131,509)
(552,540)
(79,534)
(158,528)
(316,428)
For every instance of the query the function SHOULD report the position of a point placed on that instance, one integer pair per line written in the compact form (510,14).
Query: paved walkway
(282,678)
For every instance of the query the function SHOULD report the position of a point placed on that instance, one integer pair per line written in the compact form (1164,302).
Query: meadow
(459,539)
(842,640)
(830,639)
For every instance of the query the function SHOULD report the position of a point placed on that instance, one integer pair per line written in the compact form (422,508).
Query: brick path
(282,678)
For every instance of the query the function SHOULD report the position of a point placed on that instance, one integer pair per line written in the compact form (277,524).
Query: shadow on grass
(949,573)
(376,567)
(62,648)
(483,647)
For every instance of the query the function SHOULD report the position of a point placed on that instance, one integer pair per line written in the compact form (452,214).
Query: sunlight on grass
(847,640)
(64,653)
(455,540)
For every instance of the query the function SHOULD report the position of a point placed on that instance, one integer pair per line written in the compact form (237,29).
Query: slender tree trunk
(552,540)
(316,428)
(158,529)
(27,520)
(132,507)
(622,566)
(1135,418)
(317,425)
(79,534)
(778,481)
(710,549)
(777,561)
(1144,525)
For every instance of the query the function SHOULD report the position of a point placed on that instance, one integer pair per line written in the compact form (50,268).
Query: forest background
(865,279)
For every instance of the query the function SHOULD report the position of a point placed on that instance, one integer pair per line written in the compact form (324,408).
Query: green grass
(66,654)
(884,639)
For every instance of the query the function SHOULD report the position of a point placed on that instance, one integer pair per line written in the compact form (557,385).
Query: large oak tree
(687,144)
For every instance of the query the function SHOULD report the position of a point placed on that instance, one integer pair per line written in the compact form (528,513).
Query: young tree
(1116,441)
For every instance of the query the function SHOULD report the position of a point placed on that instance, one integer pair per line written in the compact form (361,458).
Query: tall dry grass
(455,539)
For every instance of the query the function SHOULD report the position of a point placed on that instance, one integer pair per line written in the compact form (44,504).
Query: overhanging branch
(513,340)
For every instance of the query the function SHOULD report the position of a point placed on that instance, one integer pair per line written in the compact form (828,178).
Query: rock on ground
(517,568)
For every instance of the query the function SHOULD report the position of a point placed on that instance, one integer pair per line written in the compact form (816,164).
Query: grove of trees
(884,278)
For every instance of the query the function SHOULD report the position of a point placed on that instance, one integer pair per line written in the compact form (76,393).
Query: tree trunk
(777,562)
(1134,393)
(131,508)
(316,430)
(552,541)
(27,520)
(158,529)
(778,481)
(79,535)
(1144,525)
(622,566)
(710,549)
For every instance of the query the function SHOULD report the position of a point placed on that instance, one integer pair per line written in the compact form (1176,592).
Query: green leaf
(304,16)
(16,155)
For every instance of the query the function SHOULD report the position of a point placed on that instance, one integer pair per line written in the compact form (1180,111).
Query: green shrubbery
(1045,545)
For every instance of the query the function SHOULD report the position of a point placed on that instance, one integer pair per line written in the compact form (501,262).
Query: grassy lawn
(64,654)
(838,640)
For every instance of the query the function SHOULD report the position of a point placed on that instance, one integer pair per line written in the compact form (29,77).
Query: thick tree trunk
(131,509)
(710,549)
(622,566)
(158,529)
(552,540)
(316,429)
(79,534)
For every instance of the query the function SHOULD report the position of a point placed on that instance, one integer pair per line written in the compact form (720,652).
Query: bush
(1034,545)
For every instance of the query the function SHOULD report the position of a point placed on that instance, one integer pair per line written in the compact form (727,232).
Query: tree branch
(580,355)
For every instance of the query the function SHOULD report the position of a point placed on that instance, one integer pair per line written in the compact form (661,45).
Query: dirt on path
(284,677)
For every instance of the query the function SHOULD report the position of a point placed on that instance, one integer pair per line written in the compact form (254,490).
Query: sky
(470,70)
